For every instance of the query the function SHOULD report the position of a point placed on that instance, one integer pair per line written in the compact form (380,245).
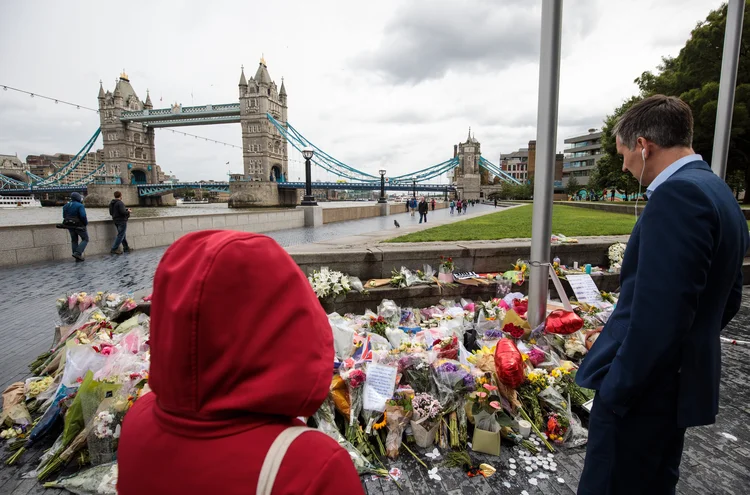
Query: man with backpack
(74,219)
(120,215)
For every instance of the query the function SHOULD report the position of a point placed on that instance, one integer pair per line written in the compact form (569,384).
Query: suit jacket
(680,284)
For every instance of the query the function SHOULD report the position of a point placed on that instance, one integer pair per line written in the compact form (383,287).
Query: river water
(47,215)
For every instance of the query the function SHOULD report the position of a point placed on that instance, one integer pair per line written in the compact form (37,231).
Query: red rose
(514,330)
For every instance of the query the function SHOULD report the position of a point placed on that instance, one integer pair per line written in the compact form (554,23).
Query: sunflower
(381,425)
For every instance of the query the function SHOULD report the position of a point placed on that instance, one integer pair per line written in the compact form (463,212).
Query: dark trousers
(422,216)
(638,453)
(120,239)
(78,248)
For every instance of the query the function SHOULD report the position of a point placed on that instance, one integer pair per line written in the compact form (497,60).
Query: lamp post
(308,200)
(414,186)
(382,187)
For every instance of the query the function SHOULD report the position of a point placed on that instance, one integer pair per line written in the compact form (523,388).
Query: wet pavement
(716,458)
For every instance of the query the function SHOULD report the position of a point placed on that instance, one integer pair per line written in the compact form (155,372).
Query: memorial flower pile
(400,376)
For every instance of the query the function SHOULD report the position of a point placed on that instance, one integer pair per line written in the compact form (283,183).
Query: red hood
(236,332)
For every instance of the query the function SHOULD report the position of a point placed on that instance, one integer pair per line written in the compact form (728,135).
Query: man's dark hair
(118,194)
(665,120)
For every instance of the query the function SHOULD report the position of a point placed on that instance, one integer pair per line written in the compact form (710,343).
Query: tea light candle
(575,265)
(525,428)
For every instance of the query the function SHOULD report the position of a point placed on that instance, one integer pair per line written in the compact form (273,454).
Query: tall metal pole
(414,182)
(308,200)
(727,83)
(541,226)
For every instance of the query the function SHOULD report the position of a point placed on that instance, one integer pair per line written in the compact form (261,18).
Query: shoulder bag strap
(275,455)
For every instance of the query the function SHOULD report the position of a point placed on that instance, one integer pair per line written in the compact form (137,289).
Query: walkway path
(716,458)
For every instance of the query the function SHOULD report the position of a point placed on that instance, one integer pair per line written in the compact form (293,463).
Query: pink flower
(495,404)
(107,349)
(489,387)
(481,394)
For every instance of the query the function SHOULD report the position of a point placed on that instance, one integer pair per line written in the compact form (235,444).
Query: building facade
(264,151)
(516,164)
(581,155)
(45,165)
(467,175)
(129,149)
(12,166)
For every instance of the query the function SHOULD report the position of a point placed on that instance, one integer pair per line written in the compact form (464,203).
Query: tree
(608,172)
(736,181)
(693,75)
(573,186)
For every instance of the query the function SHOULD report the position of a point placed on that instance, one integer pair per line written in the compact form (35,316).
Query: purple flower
(447,368)
(469,382)
(493,334)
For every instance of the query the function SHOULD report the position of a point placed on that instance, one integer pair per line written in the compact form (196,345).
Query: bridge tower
(264,150)
(467,175)
(128,146)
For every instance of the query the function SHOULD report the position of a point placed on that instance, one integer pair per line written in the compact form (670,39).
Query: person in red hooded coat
(240,348)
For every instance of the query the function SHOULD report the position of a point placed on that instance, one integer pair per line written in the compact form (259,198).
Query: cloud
(425,40)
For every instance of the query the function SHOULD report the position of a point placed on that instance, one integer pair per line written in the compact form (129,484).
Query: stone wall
(331,215)
(627,209)
(480,257)
(102,194)
(247,194)
(29,244)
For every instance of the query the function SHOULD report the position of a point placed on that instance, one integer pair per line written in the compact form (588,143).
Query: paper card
(585,289)
(588,405)
(379,386)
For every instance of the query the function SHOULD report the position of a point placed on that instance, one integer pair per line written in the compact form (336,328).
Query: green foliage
(513,191)
(693,75)
(573,186)
(736,181)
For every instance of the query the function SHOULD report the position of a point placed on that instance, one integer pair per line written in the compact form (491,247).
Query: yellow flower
(532,341)
(381,425)
(525,357)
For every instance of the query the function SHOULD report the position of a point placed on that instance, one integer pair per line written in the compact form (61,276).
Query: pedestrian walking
(413,205)
(495,202)
(459,206)
(216,403)
(74,219)
(452,205)
(120,215)
(432,204)
(423,209)
(466,205)
(656,366)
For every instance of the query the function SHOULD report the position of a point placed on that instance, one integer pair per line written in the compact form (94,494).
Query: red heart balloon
(563,322)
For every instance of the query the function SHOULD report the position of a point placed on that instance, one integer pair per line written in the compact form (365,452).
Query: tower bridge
(129,163)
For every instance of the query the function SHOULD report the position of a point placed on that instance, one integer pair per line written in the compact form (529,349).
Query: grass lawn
(516,223)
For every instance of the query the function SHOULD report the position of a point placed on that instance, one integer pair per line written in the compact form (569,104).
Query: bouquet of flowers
(453,381)
(446,348)
(426,419)
(557,427)
(354,379)
(398,411)
(415,372)
(485,406)
(616,254)
(447,265)
(328,283)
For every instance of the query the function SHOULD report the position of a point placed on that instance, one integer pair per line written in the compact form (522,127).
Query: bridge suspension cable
(72,164)
(83,107)
(497,171)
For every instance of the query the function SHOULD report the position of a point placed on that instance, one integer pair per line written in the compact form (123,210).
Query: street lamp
(308,200)
(382,187)
(414,185)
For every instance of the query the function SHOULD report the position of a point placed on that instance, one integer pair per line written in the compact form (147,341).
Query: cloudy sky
(388,84)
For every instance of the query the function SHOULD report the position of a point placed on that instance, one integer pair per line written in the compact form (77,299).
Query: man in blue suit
(656,365)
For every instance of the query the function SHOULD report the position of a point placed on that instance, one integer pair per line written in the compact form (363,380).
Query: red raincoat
(240,347)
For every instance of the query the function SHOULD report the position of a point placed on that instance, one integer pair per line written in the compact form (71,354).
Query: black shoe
(114,251)
(78,257)
(127,250)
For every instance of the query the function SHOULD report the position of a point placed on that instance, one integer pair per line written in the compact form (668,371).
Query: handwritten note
(379,386)
(585,289)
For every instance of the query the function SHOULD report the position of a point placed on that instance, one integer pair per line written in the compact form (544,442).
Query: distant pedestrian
(74,219)
(413,205)
(466,205)
(432,204)
(613,194)
(120,215)
(423,209)
(452,206)
(459,205)
(495,202)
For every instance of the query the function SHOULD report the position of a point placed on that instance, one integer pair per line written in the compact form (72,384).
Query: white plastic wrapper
(343,336)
